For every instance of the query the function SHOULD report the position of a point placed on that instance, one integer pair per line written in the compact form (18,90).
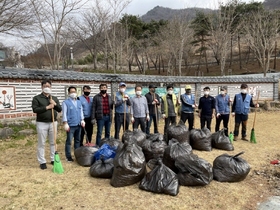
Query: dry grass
(25,186)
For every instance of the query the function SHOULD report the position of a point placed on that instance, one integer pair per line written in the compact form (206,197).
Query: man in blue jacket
(86,101)
(240,110)
(73,120)
(122,105)
(188,106)
(222,110)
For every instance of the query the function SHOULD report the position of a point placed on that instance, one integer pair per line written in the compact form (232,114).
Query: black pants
(89,130)
(240,119)
(140,121)
(225,119)
(189,117)
(207,119)
(153,118)
(168,121)
(119,121)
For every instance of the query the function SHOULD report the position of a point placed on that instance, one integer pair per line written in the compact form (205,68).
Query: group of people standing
(81,113)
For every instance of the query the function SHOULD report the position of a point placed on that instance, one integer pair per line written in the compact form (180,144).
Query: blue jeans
(105,121)
(75,131)
(153,118)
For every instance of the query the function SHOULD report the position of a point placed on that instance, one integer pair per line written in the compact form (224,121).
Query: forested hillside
(271,4)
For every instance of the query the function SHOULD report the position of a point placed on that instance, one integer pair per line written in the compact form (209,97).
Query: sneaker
(244,139)
(235,138)
(43,166)
(52,162)
(70,159)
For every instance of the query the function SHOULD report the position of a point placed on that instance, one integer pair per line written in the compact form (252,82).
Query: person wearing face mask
(206,109)
(73,120)
(139,110)
(222,110)
(169,107)
(122,104)
(240,110)
(42,105)
(101,112)
(86,101)
(188,106)
(153,104)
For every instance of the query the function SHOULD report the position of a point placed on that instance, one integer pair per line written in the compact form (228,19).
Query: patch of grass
(29,143)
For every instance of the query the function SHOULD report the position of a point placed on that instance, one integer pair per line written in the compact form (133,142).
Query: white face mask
(47,90)
(243,91)
(222,92)
(138,93)
(206,92)
(122,90)
(170,92)
(73,95)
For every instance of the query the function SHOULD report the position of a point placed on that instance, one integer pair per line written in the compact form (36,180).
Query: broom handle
(54,133)
(155,109)
(194,114)
(256,110)
(124,117)
(113,111)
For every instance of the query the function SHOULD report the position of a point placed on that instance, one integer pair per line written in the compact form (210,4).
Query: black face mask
(188,91)
(103,91)
(152,90)
(86,93)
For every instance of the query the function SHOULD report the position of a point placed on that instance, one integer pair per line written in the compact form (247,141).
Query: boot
(235,138)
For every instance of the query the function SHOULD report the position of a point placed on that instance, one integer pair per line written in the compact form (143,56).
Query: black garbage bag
(154,146)
(111,141)
(137,135)
(102,168)
(85,155)
(129,165)
(221,141)
(152,163)
(173,151)
(193,171)
(200,139)
(160,180)
(179,132)
(228,168)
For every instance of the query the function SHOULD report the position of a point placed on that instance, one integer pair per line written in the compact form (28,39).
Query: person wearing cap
(101,112)
(169,107)
(188,106)
(153,104)
(206,109)
(139,110)
(240,110)
(122,104)
(222,110)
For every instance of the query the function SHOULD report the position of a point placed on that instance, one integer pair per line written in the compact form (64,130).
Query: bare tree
(262,31)
(15,15)
(221,31)
(52,16)
(177,34)
(90,30)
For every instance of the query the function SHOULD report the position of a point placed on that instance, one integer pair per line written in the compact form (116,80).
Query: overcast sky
(141,7)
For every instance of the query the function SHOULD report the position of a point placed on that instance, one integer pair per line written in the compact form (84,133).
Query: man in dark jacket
(42,105)
(206,109)
(153,104)
(101,112)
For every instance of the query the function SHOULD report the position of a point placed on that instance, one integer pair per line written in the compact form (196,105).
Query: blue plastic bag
(106,151)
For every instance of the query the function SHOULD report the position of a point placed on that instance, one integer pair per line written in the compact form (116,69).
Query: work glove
(148,118)
(257,105)
(132,119)
(154,102)
(163,116)
(233,114)
(83,123)
(93,121)
(193,106)
(124,99)
(66,127)
(218,115)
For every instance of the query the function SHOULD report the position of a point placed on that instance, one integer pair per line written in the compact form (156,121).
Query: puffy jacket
(97,109)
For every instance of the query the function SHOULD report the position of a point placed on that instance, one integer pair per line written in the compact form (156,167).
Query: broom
(156,123)
(253,136)
(113,114)
(230,134)
(57,166)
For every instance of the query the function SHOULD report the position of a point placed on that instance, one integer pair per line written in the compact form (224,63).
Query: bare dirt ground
(25,186)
